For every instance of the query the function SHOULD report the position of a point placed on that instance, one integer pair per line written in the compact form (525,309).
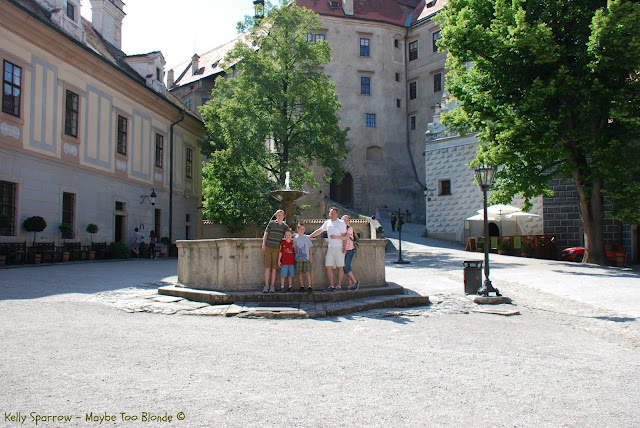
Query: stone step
(302,305)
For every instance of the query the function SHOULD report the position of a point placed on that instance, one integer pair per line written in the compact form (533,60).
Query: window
(314,38)
(413,90)
(71,11)
(188,103)
(413,50)
(398,102)
(8,207)
(159,150)
(11,88)
(365,85)
(437,82)
(370,120)
(204,100)
(397,77)
(396,43)
(189,166)
(436,37)
(120,206)
(412,120)
(445,187)
(71,114)
(68,208)
(158,74)
(122,135)
(364,46)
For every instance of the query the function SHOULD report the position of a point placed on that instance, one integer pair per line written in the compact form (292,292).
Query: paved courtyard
(92,344)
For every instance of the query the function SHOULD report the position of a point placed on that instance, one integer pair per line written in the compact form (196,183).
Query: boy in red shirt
(286,260)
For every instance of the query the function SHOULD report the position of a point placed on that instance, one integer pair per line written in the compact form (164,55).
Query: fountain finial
(286,181)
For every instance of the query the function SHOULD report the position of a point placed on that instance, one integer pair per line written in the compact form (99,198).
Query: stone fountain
(287,198)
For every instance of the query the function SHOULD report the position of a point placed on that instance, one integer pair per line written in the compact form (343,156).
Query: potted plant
(92,229)
(65,230)
(503,248)
(526,250)
(35,224)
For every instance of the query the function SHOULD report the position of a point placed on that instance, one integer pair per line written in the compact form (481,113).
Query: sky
(178,28)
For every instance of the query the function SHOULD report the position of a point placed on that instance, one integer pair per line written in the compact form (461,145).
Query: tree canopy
(278,114)
(553,89)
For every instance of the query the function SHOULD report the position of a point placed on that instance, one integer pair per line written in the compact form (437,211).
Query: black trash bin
(472,276)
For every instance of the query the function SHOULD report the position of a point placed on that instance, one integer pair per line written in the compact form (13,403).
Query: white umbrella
(500,209)
(480,216)
(518,214)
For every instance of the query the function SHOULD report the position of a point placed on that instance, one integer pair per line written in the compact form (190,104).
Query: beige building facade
(86,131)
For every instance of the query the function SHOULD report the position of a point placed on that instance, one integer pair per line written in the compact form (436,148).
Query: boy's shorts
(271,258)
(303,266)
(286,271)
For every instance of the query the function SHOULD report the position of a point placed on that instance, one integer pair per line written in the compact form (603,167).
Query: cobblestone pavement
(95,341)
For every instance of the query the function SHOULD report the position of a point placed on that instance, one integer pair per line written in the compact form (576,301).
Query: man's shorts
(303,266)
(271,258)
(335,257)
(286,271)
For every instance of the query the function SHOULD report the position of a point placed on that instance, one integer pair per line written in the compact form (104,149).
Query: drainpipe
(171,178)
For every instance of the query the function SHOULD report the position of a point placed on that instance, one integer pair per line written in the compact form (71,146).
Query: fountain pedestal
(287,198)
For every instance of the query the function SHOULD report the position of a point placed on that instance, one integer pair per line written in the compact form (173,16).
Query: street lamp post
(484,176)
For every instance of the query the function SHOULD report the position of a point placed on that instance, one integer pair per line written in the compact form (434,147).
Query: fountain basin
(236,264)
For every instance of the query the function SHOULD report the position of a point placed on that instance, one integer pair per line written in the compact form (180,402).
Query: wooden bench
(46,249)
(15,252)
(100,248)
(74,249)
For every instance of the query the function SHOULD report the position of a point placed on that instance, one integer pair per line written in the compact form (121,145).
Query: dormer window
(71,11)
(158,74)
(334,4)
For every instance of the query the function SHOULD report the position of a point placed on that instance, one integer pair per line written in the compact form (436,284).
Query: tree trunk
(591,207)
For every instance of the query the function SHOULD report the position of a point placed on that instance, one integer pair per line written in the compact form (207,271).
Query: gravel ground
(69,349)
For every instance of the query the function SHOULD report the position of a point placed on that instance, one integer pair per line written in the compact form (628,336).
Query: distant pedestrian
(394,219)
(152,244)
(304,256)
(377,215)
(286,260)
(137,240)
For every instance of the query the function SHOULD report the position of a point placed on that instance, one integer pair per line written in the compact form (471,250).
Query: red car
(576,254)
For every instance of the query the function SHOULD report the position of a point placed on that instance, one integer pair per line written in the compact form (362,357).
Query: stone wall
(236,264)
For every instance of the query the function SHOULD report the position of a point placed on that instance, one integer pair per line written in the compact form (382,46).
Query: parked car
(576,254)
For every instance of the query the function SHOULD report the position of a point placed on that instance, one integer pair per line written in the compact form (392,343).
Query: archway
(494,230)
(342,193)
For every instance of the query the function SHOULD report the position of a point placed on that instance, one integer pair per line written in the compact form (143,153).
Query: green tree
(278,114)
(553,89)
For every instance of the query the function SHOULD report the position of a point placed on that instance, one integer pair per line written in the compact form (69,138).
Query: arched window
(374,153)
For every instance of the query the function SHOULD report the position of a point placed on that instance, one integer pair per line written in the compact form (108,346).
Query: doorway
(119,228)
(342,193)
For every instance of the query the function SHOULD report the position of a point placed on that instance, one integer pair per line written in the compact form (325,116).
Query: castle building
(86,131)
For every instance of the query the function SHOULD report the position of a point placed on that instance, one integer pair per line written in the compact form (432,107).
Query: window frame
(71,114)
(370,120)
(412,122)
(9,104)
(159,151)
(435,37)
(437,82)
(188,163)
(122,135)
(413,50)
(365,47)
(74,8)
(413,90)
(365,85)
(444,187)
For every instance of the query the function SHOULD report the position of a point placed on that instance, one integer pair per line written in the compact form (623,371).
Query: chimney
(347,7)
(195,64)
(170,78)
(107,16)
